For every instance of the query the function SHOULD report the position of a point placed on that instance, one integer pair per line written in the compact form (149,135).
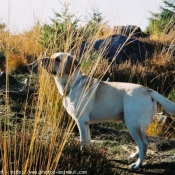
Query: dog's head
(59,64)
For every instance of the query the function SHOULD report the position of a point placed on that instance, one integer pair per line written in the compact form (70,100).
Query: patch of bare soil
(14,98)
(119,145)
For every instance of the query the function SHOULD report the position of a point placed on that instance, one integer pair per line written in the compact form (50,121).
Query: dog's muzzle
(45,62)
(48,65)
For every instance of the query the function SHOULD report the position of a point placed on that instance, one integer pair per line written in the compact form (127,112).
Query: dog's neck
(66,82)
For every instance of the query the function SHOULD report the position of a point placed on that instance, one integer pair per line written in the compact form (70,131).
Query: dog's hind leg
(138,111)
(139,136)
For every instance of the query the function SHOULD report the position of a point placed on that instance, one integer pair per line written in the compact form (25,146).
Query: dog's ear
(71,65)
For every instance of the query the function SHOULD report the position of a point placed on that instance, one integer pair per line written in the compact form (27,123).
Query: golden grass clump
(37,143)
(20,49)
(154,129)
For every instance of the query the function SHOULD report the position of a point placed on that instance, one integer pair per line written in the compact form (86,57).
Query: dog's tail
(168,105)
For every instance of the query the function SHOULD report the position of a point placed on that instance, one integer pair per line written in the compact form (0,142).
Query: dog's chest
(69,105)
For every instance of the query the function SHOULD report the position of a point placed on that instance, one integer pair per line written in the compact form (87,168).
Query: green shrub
(65,34)
(164,20)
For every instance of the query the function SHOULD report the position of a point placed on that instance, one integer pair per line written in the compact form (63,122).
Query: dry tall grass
(38,144)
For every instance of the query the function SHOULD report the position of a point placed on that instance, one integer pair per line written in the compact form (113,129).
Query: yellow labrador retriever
(89,100)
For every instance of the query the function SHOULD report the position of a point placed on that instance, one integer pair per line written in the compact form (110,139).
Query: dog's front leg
(88,134)
(83,127)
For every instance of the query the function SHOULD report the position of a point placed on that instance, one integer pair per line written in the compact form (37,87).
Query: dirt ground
(119,145)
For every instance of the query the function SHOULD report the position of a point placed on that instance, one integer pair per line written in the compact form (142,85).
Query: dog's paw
(135,166)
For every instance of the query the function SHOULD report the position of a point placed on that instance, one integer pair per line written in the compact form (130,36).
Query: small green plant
(88,62)
(171,96)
